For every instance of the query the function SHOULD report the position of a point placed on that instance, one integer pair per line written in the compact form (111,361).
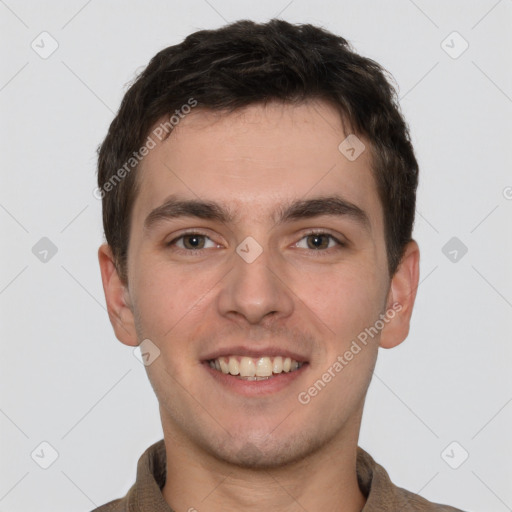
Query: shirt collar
(373,480)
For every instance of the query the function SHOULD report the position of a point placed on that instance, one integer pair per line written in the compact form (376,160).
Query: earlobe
(117,298)
(401,297)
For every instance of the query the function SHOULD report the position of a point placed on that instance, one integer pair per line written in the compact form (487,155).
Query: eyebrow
(334,205)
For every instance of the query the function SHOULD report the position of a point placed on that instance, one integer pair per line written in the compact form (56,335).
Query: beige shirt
(381,495)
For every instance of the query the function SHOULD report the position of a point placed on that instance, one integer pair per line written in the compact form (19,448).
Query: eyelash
(318,252)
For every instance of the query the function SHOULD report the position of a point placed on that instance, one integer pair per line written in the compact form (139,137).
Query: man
(258,187)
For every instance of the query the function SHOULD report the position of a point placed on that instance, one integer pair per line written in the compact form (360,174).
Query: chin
(264,453)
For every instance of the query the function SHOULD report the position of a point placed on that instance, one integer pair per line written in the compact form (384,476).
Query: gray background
(67,381)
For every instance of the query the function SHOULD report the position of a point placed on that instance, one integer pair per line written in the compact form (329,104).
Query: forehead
(257,157)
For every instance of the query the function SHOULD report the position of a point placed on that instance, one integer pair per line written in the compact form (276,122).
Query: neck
(326,480)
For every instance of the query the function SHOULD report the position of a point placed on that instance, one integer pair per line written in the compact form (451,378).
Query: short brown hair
(247,63)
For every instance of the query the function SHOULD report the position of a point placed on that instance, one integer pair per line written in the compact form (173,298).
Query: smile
(248,368)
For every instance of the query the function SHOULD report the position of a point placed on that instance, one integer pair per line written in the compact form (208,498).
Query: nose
(255,292)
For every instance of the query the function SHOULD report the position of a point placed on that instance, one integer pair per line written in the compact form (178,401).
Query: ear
(117,298)
(401,297)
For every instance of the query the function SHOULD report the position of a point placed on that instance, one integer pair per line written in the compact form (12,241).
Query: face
(257,247)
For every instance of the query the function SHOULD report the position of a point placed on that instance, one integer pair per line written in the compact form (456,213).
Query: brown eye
(318,241)
(192,242)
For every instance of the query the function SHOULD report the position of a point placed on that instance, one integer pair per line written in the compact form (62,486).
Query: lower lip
(256,387)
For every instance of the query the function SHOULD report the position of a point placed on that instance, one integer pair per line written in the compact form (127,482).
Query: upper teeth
(249,367)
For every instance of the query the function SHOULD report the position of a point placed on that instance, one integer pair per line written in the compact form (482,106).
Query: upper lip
(255,353)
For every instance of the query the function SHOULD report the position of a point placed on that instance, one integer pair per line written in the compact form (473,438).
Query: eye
(192,242)
(319,241)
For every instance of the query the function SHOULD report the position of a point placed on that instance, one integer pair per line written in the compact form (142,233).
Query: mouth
(255,369)
(255,374)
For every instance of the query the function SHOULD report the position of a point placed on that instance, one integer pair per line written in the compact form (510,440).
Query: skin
(260,451)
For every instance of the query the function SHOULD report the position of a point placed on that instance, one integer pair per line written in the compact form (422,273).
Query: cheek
(346,298)
(170,301)
(161,298)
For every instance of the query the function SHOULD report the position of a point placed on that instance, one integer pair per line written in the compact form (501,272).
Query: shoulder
(119,505)
(416,503)
(382,495)
(145,492)
(124,504)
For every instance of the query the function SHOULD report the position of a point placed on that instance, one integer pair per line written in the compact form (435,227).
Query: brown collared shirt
(381,495)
